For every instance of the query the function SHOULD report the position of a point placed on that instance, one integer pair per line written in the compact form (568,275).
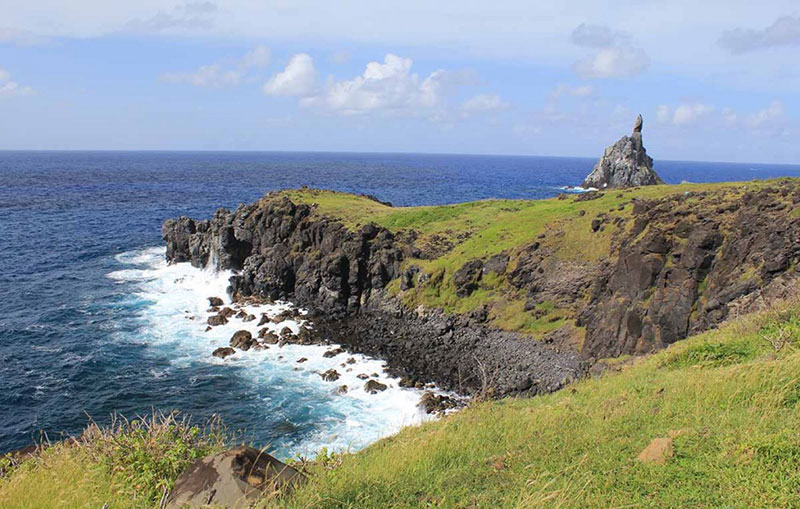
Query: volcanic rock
(242,339)
(223,352)
(374,387)
(624,164)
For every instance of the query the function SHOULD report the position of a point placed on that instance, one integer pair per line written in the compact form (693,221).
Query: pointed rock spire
(624,164)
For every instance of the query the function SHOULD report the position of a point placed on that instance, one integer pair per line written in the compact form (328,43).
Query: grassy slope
(483,228)
(734,401)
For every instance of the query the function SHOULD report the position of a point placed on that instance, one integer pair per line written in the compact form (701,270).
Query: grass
(728,398)
(128,463)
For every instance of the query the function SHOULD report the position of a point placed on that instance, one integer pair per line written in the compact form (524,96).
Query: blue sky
(714,80)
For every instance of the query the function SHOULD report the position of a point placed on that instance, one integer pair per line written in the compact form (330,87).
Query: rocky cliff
(519,304)
(282,250)
(624,164)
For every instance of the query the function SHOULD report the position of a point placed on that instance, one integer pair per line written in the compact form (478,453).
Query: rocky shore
(281,250)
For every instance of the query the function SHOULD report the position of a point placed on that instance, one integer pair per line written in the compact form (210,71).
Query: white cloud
(762,117)
(484,103)
(785,31)
(616,56)
(299,78)
(388,87)
(693,113)
(9,88)
(683,114)
(223,74)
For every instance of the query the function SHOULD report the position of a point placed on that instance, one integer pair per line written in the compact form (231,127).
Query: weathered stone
(330,376)
(242,340)
(374,387)
(235,478)
(624,164)
(215,302)
(223,352)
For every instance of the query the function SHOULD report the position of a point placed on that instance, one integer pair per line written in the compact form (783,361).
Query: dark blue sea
(92,321)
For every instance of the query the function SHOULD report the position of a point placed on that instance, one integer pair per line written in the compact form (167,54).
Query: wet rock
(268,337)
(330,376)
(215,320)
(215,302)
(235,478)
(242,340)
(362,376)
(227,312)
(342,389)
(223,352)
(264,320)
(436,403)
(374,387)
(249,318)
(333,353)
(301,360)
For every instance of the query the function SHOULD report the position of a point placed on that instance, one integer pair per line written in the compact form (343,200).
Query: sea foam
(172,308)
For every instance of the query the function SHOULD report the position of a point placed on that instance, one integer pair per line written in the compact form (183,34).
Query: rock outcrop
(624,164)
(232,478)
(687,263)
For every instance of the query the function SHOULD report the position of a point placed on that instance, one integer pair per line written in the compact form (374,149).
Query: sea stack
(624,164)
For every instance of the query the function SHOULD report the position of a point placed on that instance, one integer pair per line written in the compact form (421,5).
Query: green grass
(129,464)
(728,397)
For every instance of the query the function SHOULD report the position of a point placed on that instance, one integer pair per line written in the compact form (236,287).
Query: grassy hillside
(729,398)
(452,235)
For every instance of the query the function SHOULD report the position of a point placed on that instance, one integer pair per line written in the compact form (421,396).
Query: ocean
(93,321)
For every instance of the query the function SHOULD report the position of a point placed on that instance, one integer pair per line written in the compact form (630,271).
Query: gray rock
(234,478)
(624,164)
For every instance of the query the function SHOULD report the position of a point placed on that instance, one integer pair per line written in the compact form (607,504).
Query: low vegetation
(727,399)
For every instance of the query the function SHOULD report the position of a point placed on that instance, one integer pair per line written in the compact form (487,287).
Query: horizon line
(368,152)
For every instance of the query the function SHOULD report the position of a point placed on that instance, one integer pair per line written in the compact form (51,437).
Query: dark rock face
(284,252)
(678,273)
(624,164)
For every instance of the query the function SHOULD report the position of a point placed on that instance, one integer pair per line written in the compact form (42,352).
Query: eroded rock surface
(624,164)
(234,478)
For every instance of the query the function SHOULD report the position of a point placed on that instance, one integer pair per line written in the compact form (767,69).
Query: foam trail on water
(172,308)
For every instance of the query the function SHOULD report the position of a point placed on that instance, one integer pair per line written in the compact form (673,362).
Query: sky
(714,80)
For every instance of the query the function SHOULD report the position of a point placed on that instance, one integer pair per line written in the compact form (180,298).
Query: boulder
(242,340)
(215,302)
(374,387)
(223,352)
(234,478)
(215,320)
(624,164)
(330,376)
